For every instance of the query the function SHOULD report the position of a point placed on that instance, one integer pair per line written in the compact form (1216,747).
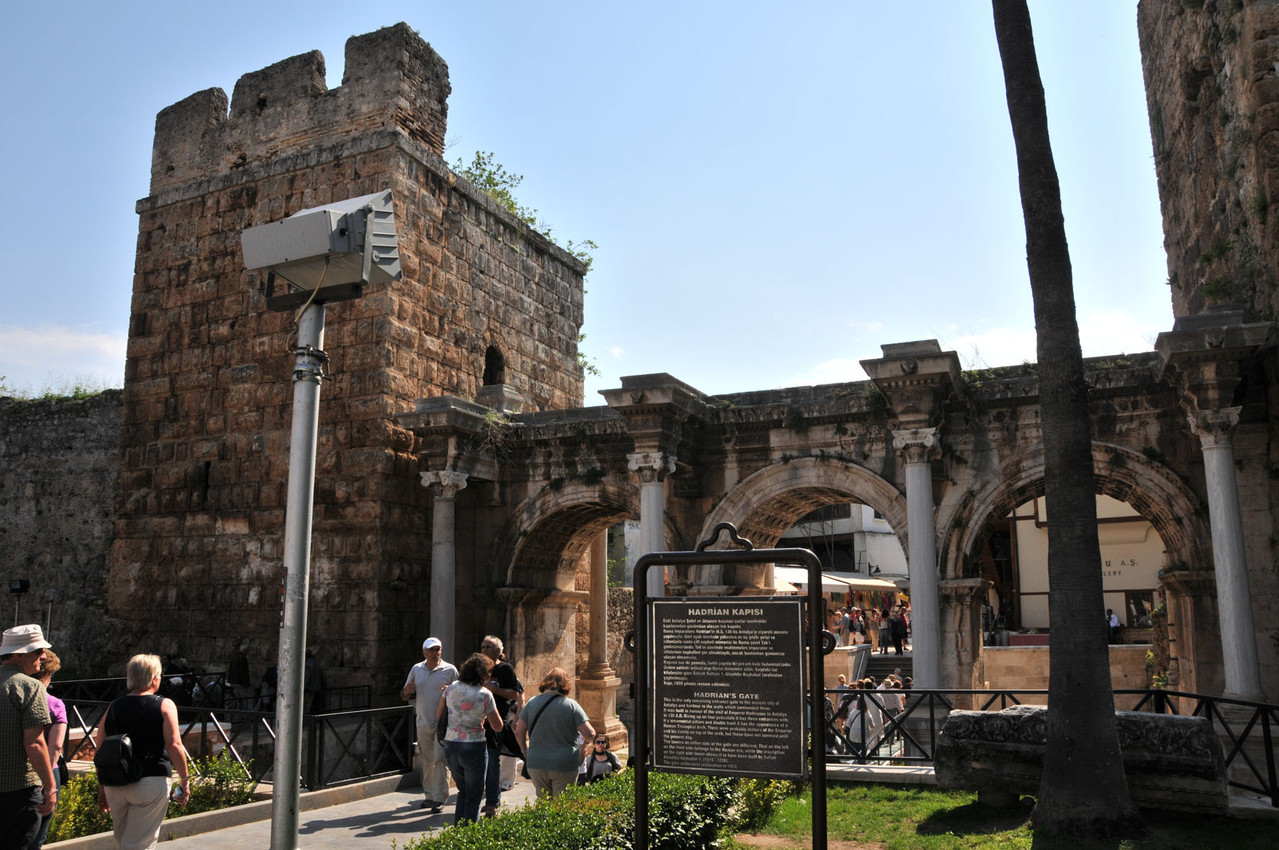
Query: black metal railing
(349,746)
(337,747)
(196,689)
(351,698)
(901,727)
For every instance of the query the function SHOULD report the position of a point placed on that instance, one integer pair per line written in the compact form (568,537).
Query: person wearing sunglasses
(599,762)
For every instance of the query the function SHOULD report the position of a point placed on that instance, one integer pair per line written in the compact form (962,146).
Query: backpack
(115,762)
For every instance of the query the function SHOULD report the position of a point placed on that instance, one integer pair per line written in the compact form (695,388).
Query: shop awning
(798,576)
(858,582)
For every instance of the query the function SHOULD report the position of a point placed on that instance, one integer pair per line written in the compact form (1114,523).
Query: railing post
(1270,757)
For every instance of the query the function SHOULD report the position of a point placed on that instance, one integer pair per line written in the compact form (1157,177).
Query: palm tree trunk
(1083,791)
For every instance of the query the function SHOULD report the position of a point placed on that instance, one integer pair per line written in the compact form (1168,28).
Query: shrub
(217,783)
(758,798)
(77,810)
(685,813)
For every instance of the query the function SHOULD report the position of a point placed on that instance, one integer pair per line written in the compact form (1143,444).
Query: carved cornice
(1205,352)
(963,591)
(1189,583)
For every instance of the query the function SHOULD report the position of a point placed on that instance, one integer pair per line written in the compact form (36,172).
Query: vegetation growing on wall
(489,175)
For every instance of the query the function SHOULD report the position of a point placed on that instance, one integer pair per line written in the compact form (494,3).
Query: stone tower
(196,562)
(1212,90)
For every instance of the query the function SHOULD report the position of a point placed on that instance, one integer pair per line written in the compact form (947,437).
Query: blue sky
(776,191)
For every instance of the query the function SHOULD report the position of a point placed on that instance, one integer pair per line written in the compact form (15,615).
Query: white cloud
(1100,333)
(60,357)
(995,347)
(1116,332)
(616,351)
(835,371)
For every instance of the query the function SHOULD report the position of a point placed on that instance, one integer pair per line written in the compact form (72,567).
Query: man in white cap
(427,681)
(27,789)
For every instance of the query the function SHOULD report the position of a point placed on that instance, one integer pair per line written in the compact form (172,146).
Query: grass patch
(899,818)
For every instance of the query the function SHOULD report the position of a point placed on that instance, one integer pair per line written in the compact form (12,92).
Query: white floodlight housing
(327,253)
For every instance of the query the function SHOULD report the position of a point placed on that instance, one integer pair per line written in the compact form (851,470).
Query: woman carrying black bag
(151,722)
(552,725)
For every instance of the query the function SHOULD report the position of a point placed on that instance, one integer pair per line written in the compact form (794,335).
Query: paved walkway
(364,816)
(364,824)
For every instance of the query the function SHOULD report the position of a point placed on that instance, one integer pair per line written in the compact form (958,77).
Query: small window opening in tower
(494,367)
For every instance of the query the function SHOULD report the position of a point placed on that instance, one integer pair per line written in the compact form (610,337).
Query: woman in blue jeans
(469,705)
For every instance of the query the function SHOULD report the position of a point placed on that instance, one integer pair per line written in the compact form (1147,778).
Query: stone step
(880,666)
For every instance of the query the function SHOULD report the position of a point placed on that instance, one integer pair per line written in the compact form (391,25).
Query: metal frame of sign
(746,554)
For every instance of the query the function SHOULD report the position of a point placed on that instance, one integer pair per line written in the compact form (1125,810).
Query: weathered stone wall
(1211,69)
(58,465)
(196,564)
(1212,91)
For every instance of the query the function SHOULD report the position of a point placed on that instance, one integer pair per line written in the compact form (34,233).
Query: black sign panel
(728,688)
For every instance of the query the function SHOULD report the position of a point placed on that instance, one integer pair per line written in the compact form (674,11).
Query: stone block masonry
(1212,91)
(196,562)
(58,465)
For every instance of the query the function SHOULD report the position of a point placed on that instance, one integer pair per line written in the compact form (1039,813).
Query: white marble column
(652,467)
(445,487)
(917,447)
(1234,594)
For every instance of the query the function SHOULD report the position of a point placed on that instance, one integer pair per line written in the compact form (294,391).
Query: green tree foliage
(486,173)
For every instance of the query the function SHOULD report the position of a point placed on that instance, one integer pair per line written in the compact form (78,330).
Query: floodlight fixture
(19,585)
(326,253)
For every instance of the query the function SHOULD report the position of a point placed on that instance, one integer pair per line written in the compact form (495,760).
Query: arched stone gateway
(763,460)
(464,377)
(1151,488)
(551,571)
(773,499)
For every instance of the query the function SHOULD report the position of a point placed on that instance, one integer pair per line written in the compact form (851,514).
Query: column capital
(651,466)
(1213,427)
(919,445)
(449,483)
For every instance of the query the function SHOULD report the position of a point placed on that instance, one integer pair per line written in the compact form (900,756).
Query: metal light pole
(324,254)
(297,578)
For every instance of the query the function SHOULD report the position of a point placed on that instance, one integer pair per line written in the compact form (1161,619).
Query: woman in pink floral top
(470,705)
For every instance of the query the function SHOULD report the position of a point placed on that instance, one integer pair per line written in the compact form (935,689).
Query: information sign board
(728,686)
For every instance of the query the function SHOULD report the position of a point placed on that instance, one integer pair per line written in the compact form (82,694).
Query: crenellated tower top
(393,80)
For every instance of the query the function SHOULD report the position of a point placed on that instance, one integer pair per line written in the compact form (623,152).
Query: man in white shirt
(427,681)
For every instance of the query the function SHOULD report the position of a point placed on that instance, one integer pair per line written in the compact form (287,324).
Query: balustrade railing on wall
(339,747)
(901,727)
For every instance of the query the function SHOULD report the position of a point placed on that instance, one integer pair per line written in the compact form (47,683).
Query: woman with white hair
(151,722)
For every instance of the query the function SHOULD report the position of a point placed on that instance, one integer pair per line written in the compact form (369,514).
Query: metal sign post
(648,663)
